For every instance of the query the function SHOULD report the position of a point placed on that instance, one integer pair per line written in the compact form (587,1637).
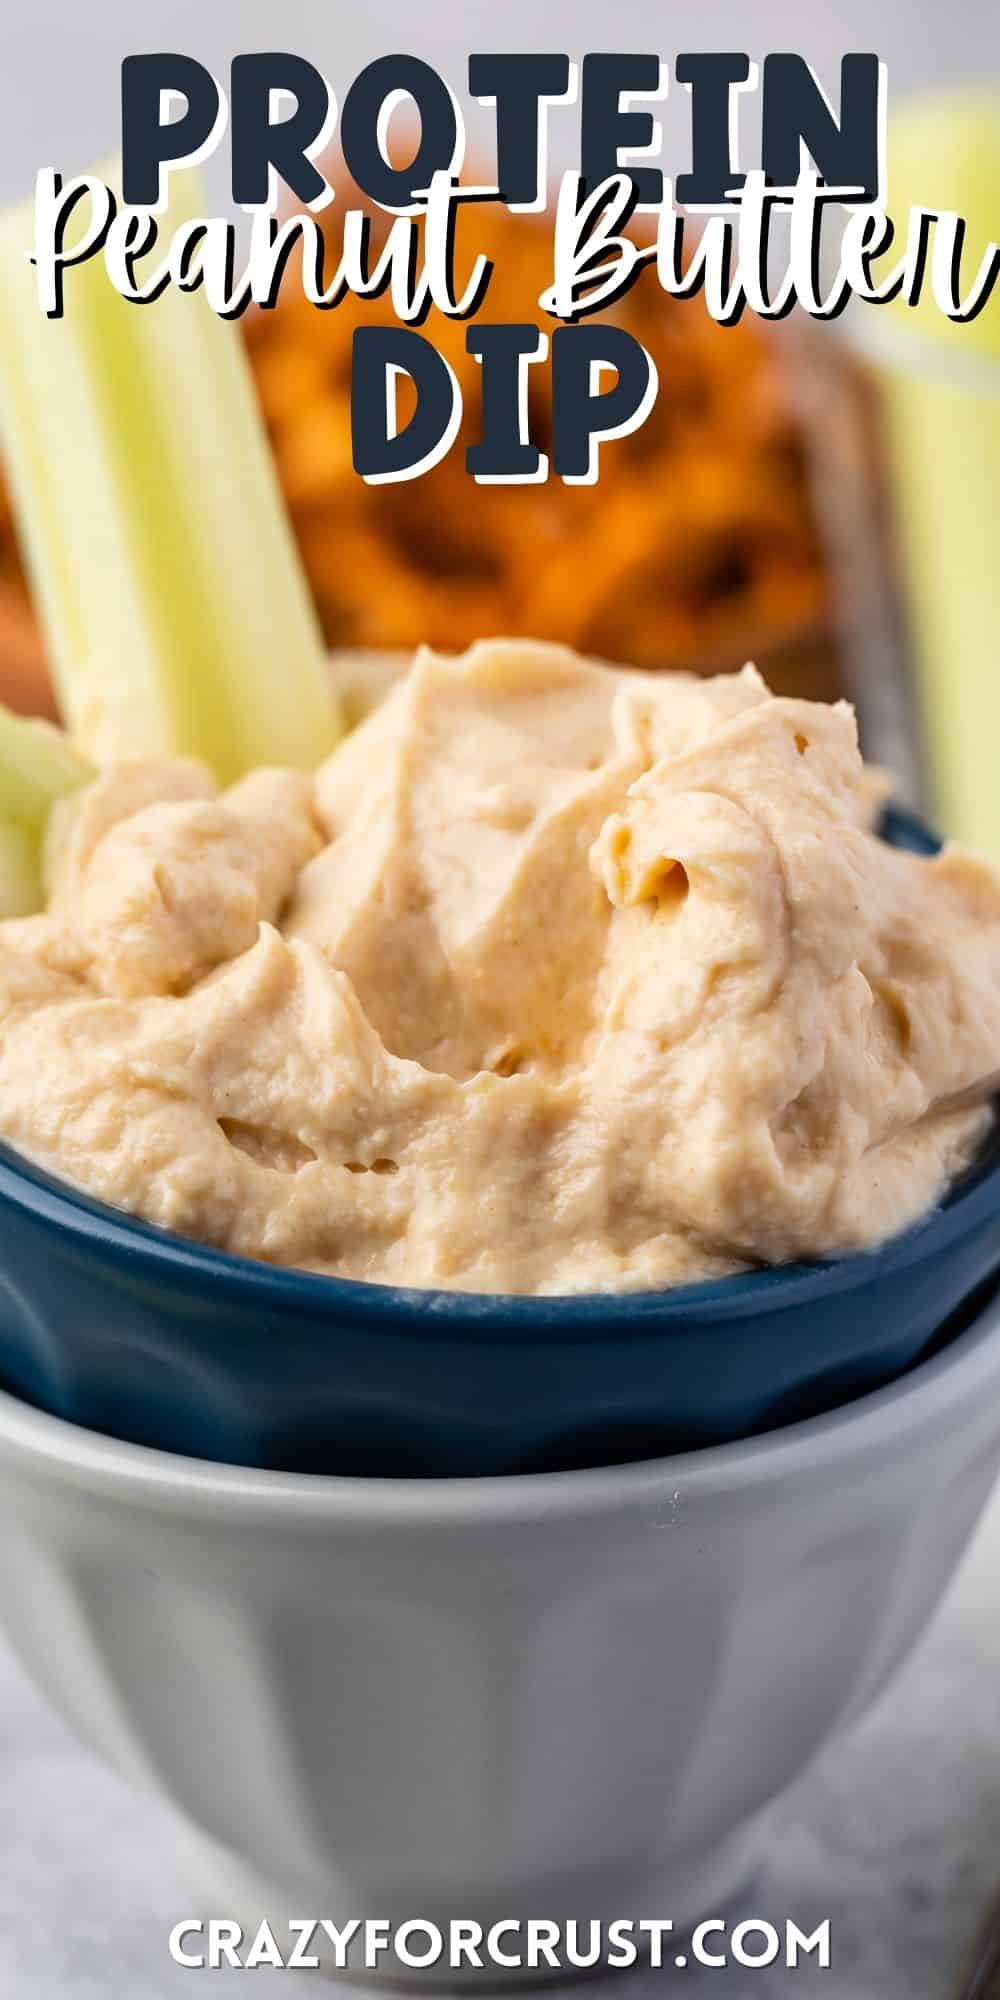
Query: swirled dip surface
(556,978)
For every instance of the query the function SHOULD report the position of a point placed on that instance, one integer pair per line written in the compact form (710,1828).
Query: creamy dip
(555,978)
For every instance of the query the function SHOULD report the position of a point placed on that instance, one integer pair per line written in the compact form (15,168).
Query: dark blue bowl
(128,1330)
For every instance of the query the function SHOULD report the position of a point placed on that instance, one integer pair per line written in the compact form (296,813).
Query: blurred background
(807,496)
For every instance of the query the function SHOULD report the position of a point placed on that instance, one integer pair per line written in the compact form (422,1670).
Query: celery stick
(20,870)
(940,422)
(38,766)
(176,609)
(944,152)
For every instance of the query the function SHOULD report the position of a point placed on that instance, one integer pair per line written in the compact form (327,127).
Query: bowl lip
(960,1381)
(150,1252)
(263,1288)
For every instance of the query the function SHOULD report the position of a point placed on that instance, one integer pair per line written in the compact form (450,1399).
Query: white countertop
(895,1836)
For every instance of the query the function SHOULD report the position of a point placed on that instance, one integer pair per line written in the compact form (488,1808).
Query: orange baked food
(698,546)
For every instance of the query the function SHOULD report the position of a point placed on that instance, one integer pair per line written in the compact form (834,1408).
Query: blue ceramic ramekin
(125,1329)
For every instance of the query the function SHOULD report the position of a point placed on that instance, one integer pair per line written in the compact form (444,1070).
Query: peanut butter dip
(556,978)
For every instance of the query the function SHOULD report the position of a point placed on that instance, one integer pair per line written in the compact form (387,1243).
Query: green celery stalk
(20,870)
(38,765)
(176,610)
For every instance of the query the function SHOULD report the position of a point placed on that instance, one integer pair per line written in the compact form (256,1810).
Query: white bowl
(561,1695)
